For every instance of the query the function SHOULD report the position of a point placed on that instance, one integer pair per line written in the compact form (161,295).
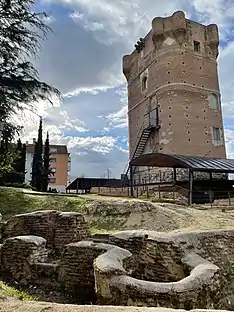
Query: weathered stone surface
(114,286)
(163,254)
(180,270)
(69,227)
(76,272)
(18,254)
(58,228)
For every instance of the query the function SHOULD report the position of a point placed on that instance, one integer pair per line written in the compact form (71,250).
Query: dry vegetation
(114,214)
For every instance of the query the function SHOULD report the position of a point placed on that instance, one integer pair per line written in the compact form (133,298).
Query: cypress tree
(46,169)
(37,168)
(22,163)
(34,168)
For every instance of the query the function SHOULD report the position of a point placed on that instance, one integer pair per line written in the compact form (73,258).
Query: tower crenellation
(175,72)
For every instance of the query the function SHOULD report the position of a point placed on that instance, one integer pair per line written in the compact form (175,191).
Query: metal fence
(171,193)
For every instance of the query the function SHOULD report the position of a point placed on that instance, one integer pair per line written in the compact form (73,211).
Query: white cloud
(93,90)
(229,137)
(84,60)
(119,119)
(102,144)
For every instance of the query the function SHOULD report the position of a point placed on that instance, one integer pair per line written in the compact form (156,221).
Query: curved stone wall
(114,286)
(141,268)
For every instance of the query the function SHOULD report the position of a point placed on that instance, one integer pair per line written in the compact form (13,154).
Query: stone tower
(174,76)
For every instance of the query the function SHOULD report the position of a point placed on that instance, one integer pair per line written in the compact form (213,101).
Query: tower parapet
(175,72)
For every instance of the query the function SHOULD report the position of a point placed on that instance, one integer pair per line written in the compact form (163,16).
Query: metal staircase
(147,127)
(142,142)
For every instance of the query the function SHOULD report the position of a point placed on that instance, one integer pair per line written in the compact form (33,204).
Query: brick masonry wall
(160,262)
(206,287)
(18,254)
(118,192)
(58,228)
(76,273)
(180,82)
(141,268)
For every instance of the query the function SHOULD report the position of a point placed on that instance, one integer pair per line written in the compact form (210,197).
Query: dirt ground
(17,306)
(117,215)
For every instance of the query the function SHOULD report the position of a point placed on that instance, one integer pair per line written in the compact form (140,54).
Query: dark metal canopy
(87,183)
(195,163)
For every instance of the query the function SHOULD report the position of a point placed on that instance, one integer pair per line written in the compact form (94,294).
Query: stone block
(18,254)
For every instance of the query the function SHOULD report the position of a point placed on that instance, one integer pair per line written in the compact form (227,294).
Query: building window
(216,134)
(53,150)
(213,101)
(52,160)
(196,46)
(53,170)
(52,180)
(144,83)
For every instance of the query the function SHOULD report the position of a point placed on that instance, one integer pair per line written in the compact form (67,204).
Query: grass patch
(106,225)
(160,200)
(14,202)
(7,291)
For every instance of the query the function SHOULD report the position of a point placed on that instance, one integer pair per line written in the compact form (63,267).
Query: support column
(131,181)
(174,169)
(190,198)
(77,186)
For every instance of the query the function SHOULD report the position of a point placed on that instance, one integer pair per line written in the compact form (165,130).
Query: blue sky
(82,57)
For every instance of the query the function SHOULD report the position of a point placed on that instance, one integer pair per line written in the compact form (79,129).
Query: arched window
(144,83)
(213,101)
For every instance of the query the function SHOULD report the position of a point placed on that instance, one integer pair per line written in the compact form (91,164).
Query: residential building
(173,86)
(60,164)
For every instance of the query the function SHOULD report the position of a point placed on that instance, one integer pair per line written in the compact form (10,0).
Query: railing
(151,119)
(126,169)
(172,194)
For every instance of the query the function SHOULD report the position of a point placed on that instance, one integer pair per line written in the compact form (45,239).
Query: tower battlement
(174,70)
(173,32)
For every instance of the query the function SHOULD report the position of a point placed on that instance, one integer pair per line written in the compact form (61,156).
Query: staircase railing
(126,169)
(146,126)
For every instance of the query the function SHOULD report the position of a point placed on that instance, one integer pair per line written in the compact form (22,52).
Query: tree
(8,154)
(37,168)
(33,180)
(46,170)
(21,30)
(17,174)
(19,166)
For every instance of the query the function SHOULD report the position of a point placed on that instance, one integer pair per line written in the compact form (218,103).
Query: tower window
(216,134)
(144,83)
(196,46)
(213,101)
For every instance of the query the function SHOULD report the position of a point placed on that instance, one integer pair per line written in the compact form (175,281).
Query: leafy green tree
(8,154)
(21,30)
(46,169)
(17,175)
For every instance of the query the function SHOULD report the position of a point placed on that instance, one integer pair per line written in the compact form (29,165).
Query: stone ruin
(55,251)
